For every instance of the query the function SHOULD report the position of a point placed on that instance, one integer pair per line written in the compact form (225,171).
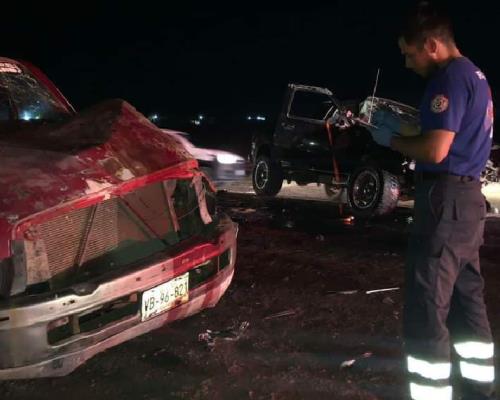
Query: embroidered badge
(439,104)
(480,75)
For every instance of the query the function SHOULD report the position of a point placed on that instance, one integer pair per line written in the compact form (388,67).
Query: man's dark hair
(424,20)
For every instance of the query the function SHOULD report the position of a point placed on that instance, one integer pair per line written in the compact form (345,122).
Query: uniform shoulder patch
(480,75)
(439,103)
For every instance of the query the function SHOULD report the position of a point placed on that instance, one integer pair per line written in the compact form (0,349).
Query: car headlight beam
(227,159)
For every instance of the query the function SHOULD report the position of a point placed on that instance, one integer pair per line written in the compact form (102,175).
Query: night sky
(229,60)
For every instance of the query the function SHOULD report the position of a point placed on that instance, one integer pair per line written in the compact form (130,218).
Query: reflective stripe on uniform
(479,350)
(429,370)
(475,372)
(424,392)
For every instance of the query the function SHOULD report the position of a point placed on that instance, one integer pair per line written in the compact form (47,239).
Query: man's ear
(431,46)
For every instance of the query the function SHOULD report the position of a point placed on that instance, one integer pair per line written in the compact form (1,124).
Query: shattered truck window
(311,105)
(27,98)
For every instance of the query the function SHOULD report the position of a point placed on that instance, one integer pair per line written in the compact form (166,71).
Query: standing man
(445,315)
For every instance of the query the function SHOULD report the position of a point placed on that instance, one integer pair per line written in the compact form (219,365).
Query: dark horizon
(222,61)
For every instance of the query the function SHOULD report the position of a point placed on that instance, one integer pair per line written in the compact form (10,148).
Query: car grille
(117,231)
(82,235)
(62,237)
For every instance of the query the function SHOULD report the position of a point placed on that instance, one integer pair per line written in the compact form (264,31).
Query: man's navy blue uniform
(445,314)
(458,99)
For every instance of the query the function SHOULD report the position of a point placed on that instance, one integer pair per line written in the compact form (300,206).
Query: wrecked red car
(108,229)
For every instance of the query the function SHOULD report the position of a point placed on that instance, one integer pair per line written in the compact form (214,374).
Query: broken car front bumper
(25,350)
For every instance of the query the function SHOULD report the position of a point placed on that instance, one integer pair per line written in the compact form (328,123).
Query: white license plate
(165,296)
(239,172)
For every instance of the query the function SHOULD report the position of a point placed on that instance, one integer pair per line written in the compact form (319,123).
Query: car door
(301,132)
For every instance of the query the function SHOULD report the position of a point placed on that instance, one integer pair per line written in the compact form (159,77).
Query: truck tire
(267,177)
(372,192)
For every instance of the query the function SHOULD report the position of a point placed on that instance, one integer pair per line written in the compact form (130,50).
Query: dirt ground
(296,322)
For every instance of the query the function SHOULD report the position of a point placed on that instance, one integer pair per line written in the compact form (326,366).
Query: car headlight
(227,158)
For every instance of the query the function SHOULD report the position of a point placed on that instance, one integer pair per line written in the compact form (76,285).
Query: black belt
(434,176)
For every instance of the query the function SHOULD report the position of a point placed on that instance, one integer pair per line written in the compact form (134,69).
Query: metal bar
(83,246)
(373,96)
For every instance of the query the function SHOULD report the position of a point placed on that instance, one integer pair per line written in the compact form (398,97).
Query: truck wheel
(267,177)
(372,192)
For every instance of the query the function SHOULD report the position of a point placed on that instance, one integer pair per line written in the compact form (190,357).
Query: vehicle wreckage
(108,229)
(320,139)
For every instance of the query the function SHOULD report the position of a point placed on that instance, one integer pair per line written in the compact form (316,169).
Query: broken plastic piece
(231,333)
(286,313)
(382,290)
(350,363)
(342,291)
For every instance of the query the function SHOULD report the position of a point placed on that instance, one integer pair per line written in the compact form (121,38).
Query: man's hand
(385,127)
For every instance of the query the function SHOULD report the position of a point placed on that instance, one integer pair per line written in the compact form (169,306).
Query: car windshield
(22,97)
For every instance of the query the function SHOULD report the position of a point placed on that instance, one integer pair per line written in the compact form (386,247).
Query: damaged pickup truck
(108,229)
(321,139)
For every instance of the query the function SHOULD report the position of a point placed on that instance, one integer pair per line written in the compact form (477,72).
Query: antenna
(373,96)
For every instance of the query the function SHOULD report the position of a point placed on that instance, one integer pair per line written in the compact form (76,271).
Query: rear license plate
(165,296)
(239,172)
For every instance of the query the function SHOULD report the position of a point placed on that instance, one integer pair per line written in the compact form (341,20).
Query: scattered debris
(246,210)
(362,291)
(350,363)
(342,291)
(159,351)
(232,333)
(382,290)
(286,313)
(388,300)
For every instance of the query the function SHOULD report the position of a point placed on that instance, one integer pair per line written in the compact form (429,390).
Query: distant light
(260,118)
(153,117)
(201,117)
(249,118)
(26,116)
(196,122)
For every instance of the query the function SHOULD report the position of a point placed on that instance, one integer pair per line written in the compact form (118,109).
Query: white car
(219,165)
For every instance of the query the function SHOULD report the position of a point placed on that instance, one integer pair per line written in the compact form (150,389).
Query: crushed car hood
(101,147)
